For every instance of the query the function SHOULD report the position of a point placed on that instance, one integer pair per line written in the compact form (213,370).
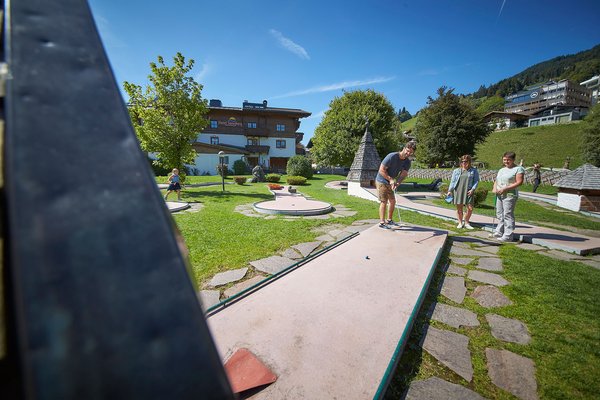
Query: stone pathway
(476,260)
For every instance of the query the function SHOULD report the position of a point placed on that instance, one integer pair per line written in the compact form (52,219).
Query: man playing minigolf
(392,171)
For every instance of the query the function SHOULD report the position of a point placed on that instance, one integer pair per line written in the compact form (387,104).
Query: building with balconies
(593,84)
(255,133)
(540,97)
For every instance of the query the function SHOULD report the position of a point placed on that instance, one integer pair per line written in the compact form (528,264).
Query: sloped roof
(366,160)
(585,177)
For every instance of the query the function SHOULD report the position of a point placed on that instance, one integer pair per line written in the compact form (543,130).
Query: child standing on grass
(174,185)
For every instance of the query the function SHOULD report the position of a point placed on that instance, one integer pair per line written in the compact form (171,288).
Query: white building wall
(232,140)
(289,151)
(569,201)
(207,163)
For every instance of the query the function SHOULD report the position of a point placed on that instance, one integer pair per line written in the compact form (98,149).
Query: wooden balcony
(260,132)
(258,149)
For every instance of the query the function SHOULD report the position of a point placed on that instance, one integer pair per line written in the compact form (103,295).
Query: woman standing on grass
(505,186)
(463,183)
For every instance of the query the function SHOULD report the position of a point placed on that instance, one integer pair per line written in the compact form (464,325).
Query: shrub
(225,170)
(274,186)
(240,180)
(479,196)
(272,177)
(299,166)
(296,180)
(240,167)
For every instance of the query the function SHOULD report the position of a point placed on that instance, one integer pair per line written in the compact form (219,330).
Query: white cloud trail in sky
(289,45)
(335,86)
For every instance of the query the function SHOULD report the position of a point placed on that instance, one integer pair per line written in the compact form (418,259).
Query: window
(280,144)
(214,140)
(252,142)
(214,124)
(252,125)
(280,127)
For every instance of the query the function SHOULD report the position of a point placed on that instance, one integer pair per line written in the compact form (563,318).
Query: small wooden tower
(365,165)
(580,189)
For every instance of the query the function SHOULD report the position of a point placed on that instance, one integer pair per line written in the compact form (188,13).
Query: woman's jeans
(505,212)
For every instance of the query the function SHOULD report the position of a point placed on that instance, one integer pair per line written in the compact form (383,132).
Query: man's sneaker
(460,225)
(383,225)
(391,222)
(468,226)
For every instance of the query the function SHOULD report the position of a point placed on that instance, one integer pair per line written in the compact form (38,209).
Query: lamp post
(221,159)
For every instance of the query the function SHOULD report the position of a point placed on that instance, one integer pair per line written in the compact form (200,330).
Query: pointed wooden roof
(366,160)
(586,177)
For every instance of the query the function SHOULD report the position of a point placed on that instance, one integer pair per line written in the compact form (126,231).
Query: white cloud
(335,86)
(206,68)
(289,45)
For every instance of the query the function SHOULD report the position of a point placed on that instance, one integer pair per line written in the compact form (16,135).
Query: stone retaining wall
(486,175)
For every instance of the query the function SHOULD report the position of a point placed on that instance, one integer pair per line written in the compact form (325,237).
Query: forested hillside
(577,67)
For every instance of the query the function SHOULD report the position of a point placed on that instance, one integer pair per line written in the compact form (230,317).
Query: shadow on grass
(412,356)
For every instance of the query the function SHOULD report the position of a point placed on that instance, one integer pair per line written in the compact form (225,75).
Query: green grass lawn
(557,301)
(549,145)
(527,211)
(220,239)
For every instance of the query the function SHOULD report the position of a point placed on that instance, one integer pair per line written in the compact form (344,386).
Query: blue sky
(303,54)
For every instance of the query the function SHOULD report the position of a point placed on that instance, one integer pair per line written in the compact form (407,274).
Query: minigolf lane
(330,328)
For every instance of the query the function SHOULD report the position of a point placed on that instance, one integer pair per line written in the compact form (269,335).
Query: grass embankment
(549,145)
(557,300)
(409,124)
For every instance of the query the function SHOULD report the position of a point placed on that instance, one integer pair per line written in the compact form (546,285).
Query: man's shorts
(384,192)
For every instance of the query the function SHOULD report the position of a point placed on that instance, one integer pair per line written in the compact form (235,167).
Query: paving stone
(487,277)
(454,288)
(454,316)
(512,372)
(461,261)
(356,228)
(591,263)
(490,296)
(345,213)
(561,255)
(335,232)
(456,270)
(435,388)
(451,349)
(508,330)
(325,238)
(235,289)
(529,246)
(291,253)
(459,243)
(322,216)
(460,251)
(208,298)
(472,240)
(272,265)
(490,264)
(226,277)
(489,249)
(306,248)
(366,222)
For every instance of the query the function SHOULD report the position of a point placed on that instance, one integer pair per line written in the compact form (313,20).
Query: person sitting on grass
(174,185)
(392,171)
(463,183)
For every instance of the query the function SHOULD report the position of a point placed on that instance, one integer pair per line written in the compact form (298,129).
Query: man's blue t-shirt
(394,166)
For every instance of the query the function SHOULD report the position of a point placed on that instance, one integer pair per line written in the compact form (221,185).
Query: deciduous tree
(448,128)
(169,113)
(337,137)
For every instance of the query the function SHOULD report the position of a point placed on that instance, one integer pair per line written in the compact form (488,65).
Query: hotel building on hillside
(255,133)
(594,85)
(539,97)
